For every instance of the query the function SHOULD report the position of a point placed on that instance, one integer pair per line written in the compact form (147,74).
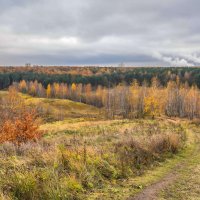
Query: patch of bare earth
(152,191)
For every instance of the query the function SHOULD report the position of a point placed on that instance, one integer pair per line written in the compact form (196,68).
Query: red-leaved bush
(19,122)
(21,129)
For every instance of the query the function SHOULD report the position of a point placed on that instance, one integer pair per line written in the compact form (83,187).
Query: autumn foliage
(18,126)
(129,101)
(21,130)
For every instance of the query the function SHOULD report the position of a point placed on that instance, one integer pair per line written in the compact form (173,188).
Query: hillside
(59,109)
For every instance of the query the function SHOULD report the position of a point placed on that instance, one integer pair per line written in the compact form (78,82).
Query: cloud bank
(64,32)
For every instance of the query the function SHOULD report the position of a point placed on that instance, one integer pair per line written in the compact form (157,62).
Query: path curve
(152,192)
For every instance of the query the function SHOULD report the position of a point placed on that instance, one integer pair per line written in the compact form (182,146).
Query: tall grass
(70,166)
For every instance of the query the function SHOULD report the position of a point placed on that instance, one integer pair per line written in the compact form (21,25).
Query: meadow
(84,155)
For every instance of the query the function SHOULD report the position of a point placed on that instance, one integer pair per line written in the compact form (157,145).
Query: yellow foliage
(151,106)
(73,87)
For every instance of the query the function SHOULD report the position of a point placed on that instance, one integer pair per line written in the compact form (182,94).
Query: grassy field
(84,156)
(60,109)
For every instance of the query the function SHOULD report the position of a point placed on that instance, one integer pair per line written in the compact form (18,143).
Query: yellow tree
(48,91)
(23,86)
(73,91)
(151,106)
(32,88)
(99,95)
(73,87)
(158,95)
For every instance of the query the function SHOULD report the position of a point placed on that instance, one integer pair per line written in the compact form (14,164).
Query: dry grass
(71,163)
(60,109)
(80,155)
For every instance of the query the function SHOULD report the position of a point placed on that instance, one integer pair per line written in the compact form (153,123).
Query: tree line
(176,99)
(106,77)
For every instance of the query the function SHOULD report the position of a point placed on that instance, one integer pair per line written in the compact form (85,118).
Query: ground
(84,129)
(172,179)
(182,182)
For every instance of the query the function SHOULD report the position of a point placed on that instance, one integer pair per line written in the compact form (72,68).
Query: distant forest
(104,76)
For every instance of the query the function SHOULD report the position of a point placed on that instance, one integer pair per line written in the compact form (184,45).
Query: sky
(100,32)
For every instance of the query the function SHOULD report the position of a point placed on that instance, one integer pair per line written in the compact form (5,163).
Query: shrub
(160,144)
(21,185)
(21,130)
(107,170)
(140,153)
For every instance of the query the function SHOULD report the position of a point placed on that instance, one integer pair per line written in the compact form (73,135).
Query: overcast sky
(104,32)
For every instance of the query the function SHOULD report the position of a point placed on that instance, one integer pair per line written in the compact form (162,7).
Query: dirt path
(153,191)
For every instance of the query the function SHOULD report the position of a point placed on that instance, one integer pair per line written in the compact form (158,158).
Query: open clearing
(169,180)
(84,136)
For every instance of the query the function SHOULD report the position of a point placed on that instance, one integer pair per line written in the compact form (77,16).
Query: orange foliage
(21,130)
(23,86)
(18,123)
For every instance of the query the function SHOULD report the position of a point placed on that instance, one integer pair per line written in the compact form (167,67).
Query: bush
(21,185)
(140,153)
(19,123)
(21,130)
(105,169)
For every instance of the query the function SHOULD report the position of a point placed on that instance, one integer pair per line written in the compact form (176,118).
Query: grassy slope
(79,121)
(56,109)
(106,131)
(130,187)
(99,136)
(67,108)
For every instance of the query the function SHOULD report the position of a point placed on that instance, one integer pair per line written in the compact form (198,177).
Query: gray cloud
(74,32)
